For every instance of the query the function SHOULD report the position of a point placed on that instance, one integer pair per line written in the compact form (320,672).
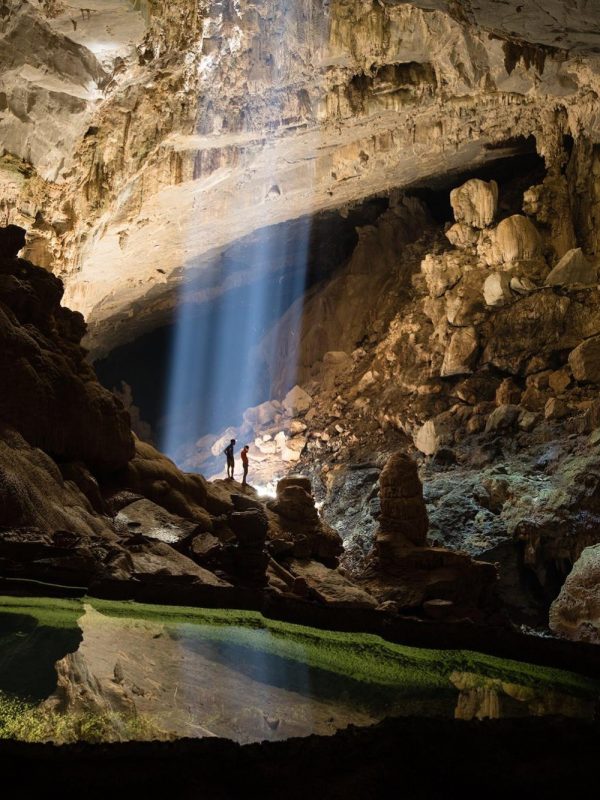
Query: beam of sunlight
(218,367)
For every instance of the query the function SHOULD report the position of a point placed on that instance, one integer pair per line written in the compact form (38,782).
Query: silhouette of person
(244,455)
(230,459)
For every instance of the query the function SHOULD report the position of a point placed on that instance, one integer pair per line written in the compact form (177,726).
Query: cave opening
(299,255)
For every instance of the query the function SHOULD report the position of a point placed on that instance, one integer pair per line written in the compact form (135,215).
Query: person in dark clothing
(244,455)
(230,459)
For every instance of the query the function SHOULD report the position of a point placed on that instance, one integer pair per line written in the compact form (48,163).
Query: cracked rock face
(146,139)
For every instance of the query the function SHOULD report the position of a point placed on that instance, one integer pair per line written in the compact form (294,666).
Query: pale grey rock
(442,272)
(572,268)
(475,203)
(528,420)
(296,401)
(462,235)
(515,239)
(432,435)
(263,414)
(330,586)
(575,614)
(148,519)
(496,289)
(521,284)
(461,353)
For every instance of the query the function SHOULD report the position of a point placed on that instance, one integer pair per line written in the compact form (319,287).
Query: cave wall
(264,113)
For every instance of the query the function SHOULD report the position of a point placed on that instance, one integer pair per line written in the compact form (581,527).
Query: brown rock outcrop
(55,400)
(584,361)
(299,518)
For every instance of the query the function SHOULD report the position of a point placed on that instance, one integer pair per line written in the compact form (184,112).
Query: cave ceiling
(141,141)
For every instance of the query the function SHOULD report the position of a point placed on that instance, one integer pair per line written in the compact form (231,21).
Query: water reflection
(99,671)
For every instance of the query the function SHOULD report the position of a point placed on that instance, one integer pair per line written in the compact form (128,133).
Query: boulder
(584,361)
(295,480)
(520,284)
(441,272)
(221,443)
(465,303)
(528,420)
(502,418)
(556,409)
(330,586)
(575,614)
(158,563)
(146,518)
(297,427)
(508,393)
(461,353)
(296,401)
(204,548)
(294,506)
(462,235)
(433,434)
(258,417)
(515,239)
(559,380)
(496,289)
(572,268)
(475,202)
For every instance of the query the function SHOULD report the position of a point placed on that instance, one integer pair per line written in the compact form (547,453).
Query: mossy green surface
(363,657)
(25,722)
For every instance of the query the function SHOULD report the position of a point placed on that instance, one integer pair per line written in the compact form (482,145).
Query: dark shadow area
(29,652)
(514,174)
(433,759)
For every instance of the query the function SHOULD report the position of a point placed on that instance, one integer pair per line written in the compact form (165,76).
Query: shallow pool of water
(102,671)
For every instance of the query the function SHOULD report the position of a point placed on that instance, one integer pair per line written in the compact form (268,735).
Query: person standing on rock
(230,459)
(244,455)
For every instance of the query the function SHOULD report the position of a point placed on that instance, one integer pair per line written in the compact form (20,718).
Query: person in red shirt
(244,455)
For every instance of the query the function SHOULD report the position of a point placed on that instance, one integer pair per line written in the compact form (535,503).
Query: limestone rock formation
(514,239)
(404,570)
(572,268)
(133,116)
(403,518)
(575,614)
(475,203)
(298,516)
